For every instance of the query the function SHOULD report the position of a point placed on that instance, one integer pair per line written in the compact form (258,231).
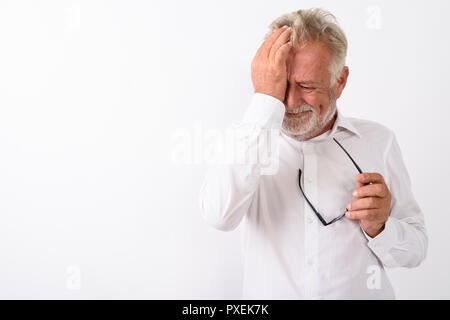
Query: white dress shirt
(288,253)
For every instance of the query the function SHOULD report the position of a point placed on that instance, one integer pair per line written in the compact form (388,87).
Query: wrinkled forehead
(310,59)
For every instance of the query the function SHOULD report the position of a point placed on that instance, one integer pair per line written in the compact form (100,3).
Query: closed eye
(306,88)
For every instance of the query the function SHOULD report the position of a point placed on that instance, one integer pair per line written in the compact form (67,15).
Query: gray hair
(312,25)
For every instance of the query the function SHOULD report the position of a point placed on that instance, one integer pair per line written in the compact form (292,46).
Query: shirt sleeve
(404,241)
(228,188)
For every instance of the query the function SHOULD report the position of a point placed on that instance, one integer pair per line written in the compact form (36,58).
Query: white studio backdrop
(93,202)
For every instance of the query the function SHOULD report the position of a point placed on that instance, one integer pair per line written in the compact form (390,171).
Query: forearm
(228,189)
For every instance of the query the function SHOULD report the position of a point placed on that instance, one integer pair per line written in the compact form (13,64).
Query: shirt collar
(344,123)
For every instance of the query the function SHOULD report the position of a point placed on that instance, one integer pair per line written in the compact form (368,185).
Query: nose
(293,98)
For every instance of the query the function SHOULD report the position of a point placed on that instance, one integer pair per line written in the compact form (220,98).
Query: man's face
(310,103)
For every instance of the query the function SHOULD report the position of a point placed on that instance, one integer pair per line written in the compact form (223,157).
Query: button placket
(311,225)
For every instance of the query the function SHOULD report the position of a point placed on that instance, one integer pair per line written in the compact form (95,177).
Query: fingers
(370,214)
(372,201)
(359,184)
(371,190)
(365,178)
(280,42)
(364,204)
(265,48)
(282,54)
(270,76)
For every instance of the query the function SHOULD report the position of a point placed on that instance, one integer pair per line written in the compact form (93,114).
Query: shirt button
(310,180)
(309,220)
(310,262)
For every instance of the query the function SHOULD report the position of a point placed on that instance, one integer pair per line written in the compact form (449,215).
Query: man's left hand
(372,203)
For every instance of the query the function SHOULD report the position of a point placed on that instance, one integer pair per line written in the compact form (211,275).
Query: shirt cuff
(383,242)
(265,111)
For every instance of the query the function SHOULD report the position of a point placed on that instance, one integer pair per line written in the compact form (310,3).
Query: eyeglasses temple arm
(306,198)
(357,167)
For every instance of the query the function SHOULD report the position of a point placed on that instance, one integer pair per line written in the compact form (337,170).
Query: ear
(341,82)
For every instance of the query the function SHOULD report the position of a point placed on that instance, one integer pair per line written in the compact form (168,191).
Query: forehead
(309,62)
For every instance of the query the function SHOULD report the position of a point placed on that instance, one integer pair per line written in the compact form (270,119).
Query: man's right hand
(269,74)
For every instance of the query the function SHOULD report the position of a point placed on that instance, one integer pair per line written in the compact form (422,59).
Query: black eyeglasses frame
(322,220)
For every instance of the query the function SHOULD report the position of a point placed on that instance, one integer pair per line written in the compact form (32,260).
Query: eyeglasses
(306,198)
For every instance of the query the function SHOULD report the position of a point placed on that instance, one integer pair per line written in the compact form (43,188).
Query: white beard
(309,124)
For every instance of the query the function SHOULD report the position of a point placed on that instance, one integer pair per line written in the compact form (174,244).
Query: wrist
(373,231)
(276,94)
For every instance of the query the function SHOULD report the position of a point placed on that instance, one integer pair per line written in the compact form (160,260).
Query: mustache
(302,108)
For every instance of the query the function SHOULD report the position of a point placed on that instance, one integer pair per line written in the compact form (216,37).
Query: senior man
(339,208)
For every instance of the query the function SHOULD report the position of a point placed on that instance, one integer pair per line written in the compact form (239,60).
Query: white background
(92,203)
